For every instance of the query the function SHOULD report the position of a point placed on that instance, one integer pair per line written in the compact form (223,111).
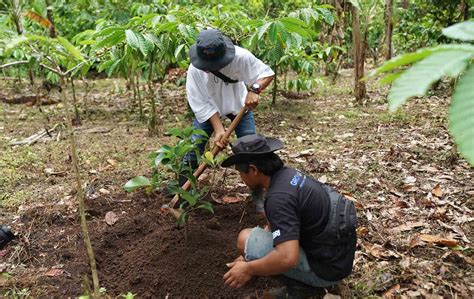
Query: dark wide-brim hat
(212,51)
(250,147)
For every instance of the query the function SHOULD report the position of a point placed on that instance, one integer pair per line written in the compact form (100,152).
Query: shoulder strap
(224,77)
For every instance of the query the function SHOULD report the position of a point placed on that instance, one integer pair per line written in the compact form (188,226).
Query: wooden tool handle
(215,151)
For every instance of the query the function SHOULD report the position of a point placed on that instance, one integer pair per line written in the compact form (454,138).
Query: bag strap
(224,77)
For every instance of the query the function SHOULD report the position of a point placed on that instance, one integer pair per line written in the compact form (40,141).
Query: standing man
(221,79)
(311,237)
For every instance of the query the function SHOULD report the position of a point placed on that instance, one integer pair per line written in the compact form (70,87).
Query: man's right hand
(219,139)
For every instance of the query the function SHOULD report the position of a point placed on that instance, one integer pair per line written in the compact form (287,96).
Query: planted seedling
(167,164)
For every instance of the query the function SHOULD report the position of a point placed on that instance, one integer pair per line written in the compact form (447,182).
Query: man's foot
(297,290)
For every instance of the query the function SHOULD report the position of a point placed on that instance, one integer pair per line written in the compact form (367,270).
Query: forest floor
(414,195)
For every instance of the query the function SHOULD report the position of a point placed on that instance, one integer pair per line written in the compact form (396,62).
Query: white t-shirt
(208,94)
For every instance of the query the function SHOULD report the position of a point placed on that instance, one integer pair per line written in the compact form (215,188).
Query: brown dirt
(144,252)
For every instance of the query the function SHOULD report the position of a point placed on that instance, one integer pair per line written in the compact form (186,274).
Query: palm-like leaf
(417,80)
(461,115)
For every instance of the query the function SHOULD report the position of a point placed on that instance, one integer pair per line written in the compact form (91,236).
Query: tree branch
(13,63)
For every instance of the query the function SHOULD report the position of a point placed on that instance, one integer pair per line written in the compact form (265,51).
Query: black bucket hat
(249,147)
(212,50)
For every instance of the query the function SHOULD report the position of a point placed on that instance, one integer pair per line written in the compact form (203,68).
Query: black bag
(342,220)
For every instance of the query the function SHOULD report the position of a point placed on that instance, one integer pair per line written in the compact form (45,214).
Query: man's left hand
(252,100)
(238,274)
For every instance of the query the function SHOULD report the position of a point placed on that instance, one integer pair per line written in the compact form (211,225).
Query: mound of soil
(145,252)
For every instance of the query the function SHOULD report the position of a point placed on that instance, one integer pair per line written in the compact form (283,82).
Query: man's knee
(242,238)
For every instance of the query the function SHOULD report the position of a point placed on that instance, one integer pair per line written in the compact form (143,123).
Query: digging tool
(203,165)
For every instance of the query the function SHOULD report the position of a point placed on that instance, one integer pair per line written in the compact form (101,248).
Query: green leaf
(137,183)
(206,205)
(461,115)
(112,39)
(462,31)
(138,42)
(417,80)
(182,217)
(263,29)
(296,26)
(418,55)
(70,48)
(178,50)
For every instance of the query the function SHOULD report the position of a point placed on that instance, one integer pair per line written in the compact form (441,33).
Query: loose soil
(145,252)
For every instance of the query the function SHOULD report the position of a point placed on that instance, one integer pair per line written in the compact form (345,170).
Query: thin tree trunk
(80,193)
(275,85)
(405,4)
(77,119)
(152,122)
(49,16)
(464,7)
(388,29)
(139,96)
(358,53)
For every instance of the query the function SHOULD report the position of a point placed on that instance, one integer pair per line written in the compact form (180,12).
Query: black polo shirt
(297,208)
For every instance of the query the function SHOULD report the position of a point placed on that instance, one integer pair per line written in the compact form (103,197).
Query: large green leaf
(296,26)
(112,39)
(70,48)
(410,58)
(461,115)
(463,31)
(137,183)
(137,41)
(416,80)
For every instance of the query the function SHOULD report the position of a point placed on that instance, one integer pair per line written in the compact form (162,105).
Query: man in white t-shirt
(221,79)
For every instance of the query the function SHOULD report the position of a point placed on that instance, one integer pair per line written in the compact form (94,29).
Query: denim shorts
(260,243)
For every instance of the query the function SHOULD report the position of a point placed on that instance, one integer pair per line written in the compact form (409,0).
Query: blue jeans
(245,127)
(260,243)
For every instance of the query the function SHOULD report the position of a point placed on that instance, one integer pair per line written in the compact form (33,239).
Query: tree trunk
(275,84)
(405,4)
(464,7)
(152,127)
(49,16)
(358,54)
(139,96)
(388,29)
(80,193)
(77,119)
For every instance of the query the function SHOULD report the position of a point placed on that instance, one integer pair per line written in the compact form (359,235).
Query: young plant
(168,166)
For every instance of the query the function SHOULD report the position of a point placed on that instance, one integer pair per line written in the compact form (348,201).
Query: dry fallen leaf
(437,191)
(407,226)
(54,272)
(380,252)
(104,191)
(238,197)
(112,162)
(323,179)
(392,292)
(438,240)
(111,218)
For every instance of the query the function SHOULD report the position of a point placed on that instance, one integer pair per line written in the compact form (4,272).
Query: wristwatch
(255,88)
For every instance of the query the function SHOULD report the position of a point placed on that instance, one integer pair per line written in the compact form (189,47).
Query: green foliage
(167,164)
(430,65)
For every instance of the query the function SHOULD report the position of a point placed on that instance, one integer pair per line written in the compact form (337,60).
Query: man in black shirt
(312,235)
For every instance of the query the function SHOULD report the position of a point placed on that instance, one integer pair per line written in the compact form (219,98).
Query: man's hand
(238,274)
(219,139)
(252,100)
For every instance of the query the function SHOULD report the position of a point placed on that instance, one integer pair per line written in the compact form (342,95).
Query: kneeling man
(311,236)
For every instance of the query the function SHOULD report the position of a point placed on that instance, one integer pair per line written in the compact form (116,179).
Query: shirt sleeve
(252,69)
(198,96)
(282,214)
